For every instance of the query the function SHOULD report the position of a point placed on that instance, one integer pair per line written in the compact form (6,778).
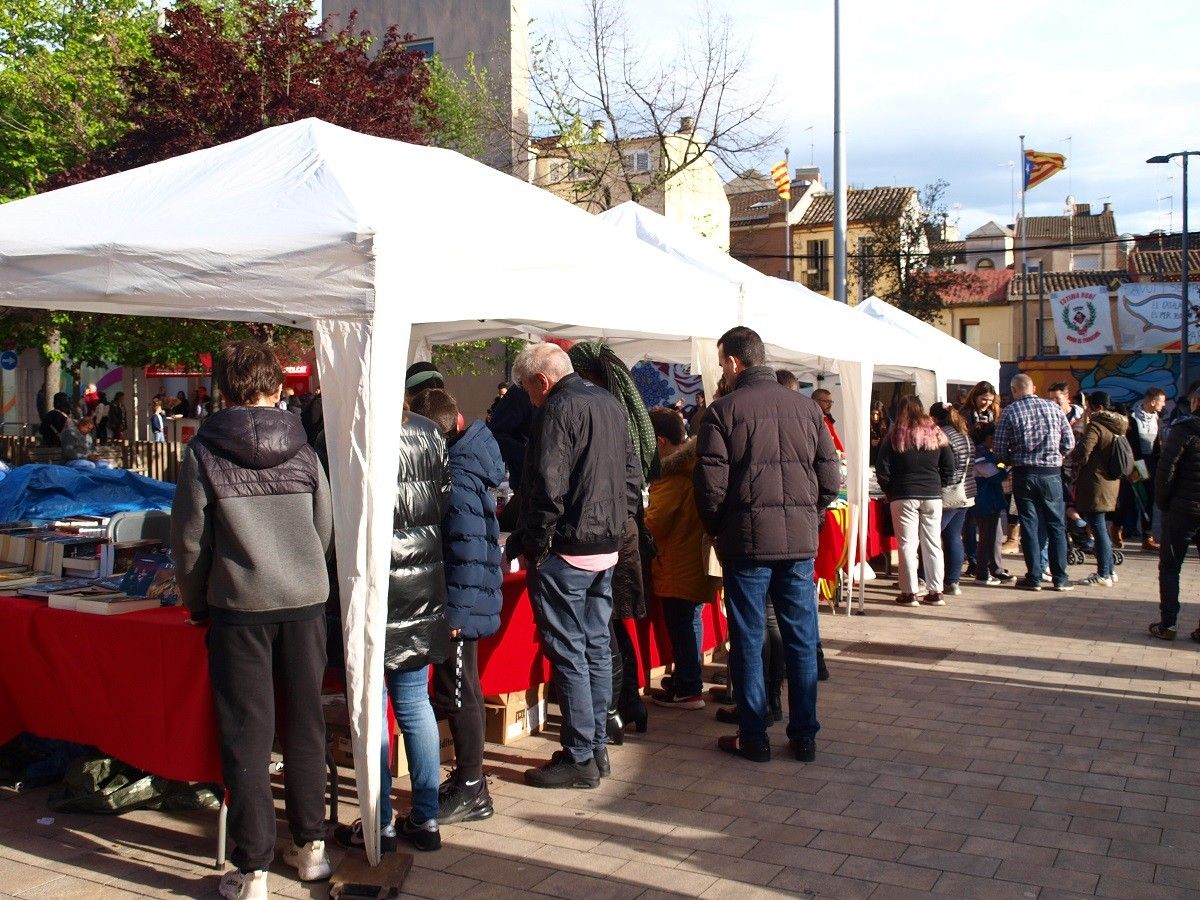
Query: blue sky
(935,89)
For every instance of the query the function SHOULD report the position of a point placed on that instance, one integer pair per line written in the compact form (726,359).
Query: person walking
(251,525)
(1032,437)
(915,463)
(766,471)
(1095,491)
(1177,495)
(958,498)
(582,482)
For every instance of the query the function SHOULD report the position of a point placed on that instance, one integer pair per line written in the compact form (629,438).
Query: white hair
(1021,385)
(544,358)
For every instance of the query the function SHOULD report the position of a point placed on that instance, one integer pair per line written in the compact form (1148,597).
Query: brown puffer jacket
(766,471)
(1094,491)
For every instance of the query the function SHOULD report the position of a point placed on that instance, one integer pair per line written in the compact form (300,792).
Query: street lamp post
(1185,308)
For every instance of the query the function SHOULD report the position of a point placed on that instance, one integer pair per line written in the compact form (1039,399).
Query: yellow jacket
(679,570)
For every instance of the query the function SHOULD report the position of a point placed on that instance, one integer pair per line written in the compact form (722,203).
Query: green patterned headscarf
(598,362)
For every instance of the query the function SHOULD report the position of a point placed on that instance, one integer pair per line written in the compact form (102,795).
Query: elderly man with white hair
(581,483)
(1033,436)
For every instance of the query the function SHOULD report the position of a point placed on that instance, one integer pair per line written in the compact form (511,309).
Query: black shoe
(753,751)
(1004,576)
(422,835)
(775,701)
(667,682)
(822,670)
(616,728)
(463,801)
(563,772)
(603,765)
(721,695)
(729,715)
(804,749)
(1026,584)
(351,837)
(636,718)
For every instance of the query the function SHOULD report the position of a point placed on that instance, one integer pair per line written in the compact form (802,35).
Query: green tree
(62,96)
(461,107)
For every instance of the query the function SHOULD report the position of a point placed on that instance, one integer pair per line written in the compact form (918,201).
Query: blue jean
(686,631)
(1104,555)
(952,543)
(970,546)
(790,584)
(409,692)
(572,608)
(1040,506)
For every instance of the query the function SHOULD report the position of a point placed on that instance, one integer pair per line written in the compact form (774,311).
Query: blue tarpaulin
(51,492)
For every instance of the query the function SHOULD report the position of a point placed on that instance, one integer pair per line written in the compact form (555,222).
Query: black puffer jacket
(417,633)
(582,480)
(766,471)
(1177,482)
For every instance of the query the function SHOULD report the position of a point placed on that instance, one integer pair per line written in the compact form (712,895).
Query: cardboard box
(343,750)
(510,717)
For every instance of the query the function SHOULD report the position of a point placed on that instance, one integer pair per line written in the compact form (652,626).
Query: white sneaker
(953,589)
(1115,577)
(1096,580)
(237,885)
(310,861)
(1046,576)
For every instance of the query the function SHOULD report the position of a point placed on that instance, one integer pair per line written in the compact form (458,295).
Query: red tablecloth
(511,660)
(833,539)
(134,685)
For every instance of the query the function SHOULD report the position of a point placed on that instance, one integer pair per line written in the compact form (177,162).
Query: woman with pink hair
(914,464)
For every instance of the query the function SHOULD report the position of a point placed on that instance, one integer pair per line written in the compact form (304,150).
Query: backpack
(1120,459)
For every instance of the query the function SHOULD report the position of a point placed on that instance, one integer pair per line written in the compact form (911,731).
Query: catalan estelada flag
(1040,166)
(779,174)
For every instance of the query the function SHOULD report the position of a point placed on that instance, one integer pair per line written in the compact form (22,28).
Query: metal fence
(155,460)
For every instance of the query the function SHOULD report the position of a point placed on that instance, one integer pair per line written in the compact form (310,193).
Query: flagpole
(1024,263)
(787,221)
(839,165)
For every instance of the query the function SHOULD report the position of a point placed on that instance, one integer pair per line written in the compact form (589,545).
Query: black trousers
(248,665)
(458,698)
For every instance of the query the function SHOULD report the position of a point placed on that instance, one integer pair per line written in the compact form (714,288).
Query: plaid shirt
(1033,432)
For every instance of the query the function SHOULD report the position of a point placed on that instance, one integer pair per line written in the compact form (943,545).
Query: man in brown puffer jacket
(767,469)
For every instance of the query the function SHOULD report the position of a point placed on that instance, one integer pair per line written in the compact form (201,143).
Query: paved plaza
(1009,744)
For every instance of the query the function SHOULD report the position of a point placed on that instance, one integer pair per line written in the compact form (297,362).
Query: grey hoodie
(251,521)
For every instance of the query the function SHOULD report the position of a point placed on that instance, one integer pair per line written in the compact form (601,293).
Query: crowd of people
(613,507)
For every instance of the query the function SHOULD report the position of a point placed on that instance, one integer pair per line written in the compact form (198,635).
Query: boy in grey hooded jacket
(250,528)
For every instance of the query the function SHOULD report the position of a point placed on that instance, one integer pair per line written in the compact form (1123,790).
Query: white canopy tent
(953,361)
(357,238)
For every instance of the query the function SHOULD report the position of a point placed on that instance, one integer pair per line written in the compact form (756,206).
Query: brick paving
(1009,744)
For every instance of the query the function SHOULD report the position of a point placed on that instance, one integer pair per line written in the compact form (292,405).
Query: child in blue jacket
(471,554)
(991,510)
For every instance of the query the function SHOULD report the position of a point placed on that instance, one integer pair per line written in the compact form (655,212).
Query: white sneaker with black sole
(311,862)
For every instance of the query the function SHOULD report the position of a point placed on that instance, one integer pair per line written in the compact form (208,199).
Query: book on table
(43,589)
(70,599)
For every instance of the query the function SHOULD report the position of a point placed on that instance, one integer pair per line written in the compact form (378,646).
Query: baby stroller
(1081,545)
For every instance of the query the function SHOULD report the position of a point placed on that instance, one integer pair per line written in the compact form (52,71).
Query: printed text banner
(1148,316)
(1083,321)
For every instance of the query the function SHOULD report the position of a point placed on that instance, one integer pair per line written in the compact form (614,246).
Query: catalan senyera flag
(779,174)
(1040,166)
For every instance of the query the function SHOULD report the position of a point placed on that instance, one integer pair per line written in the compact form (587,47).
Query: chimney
(687,124)
(1107,209)
(1083,209)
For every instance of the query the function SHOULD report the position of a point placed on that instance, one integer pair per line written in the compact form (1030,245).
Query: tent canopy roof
(954,360)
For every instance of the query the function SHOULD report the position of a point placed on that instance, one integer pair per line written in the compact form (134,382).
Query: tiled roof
(750,180)
(862,205)
(1065,281)
(985,286)
(949,248)
(1166,241)
(748,206)
(1063,228)
(1164,263)
(990,230)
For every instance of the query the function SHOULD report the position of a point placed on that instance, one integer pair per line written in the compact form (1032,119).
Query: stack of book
(149,583)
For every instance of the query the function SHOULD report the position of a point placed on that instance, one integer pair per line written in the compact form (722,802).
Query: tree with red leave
(217,73)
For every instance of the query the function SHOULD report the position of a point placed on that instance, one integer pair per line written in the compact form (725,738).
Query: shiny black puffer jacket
(417,633)
(1177,481)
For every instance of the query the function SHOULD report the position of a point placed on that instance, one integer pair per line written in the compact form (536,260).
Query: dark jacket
(582,480)
(914,474)
(766,470)
(251,520)
(417,634)
(471,534)
(52,426)
(989,497)
(963,449)
(1094,490)
(1177,481)
(510,420)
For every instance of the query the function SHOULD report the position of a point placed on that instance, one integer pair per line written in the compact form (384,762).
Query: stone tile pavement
(1009,744)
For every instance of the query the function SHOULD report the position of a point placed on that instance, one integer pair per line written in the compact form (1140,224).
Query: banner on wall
(1083,321)
(1148,315)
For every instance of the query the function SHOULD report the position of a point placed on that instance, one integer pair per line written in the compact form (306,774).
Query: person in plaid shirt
(1032,437)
